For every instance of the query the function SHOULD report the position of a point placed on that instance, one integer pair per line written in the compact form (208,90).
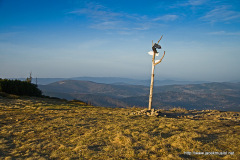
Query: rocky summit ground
(40,128)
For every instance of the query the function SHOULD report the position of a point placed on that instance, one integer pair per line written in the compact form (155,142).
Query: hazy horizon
(130,78)
(83,38)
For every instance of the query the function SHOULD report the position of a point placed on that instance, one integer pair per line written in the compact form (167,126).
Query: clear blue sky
(60,38)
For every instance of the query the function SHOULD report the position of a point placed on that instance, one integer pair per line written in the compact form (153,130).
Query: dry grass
(48,129)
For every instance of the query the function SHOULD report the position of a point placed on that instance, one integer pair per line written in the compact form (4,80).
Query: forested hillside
(222,96)
(18,87)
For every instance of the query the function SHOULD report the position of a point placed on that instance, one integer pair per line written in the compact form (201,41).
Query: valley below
(221,96)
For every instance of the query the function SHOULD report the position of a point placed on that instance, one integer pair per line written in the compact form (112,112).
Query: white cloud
(97,13)
(103,18)
(106,25)
(221,14)
(196,2)
(224,33)
(168,17)
(189,3)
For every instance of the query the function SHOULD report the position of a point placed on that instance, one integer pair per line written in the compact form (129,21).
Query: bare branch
(160,59)
(160,39)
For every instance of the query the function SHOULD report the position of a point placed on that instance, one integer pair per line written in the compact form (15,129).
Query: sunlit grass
(42,129)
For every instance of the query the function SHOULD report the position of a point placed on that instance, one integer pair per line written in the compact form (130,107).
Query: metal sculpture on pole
(154,53)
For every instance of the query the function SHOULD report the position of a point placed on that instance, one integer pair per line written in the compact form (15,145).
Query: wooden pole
(152,81)
(152,76)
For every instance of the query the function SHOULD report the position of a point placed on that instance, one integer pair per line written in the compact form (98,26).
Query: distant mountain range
(114,80)
(221,96)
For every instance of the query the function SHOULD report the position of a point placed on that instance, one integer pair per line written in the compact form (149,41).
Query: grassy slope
(53,129)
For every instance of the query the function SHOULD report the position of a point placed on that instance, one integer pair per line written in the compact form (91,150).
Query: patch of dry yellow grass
(42,129)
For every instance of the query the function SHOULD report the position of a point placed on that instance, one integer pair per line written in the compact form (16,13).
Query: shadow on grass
(96,147)
(209,138)
(178,115)
(6,143)
(185,156)
(58,109)
(166,135)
